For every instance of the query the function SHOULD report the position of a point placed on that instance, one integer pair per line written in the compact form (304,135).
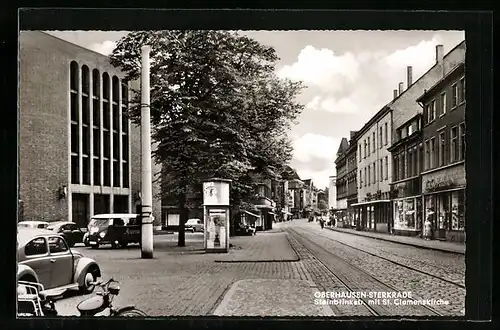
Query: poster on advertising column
(216,229)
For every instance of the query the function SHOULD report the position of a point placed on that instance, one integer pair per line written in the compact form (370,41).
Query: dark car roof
(26,235)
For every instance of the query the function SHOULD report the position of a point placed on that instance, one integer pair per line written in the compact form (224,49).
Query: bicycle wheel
(132,313)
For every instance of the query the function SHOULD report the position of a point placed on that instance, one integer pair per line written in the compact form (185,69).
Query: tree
(217,109)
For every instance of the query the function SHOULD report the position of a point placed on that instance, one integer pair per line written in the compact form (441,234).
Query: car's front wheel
(87,286)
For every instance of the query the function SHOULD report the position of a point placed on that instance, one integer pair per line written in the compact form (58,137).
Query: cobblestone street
(273,273)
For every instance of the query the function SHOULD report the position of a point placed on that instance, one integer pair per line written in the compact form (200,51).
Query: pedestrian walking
(427,229)
(322,222)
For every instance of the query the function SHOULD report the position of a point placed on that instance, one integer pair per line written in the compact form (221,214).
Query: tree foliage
(217,108)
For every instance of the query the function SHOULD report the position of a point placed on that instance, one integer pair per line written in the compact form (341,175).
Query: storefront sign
(438,183)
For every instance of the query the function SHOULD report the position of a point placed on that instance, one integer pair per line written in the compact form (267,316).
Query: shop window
(430,209)
(418,212)
(458,210)
(444,211)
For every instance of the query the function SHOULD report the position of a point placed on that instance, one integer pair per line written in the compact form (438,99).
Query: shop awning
(372,202)
(250,213)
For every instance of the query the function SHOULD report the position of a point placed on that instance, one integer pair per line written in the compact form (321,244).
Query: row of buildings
(406,165)
(79,154)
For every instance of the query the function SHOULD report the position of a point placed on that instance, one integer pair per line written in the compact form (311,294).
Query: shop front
(446,212)
(373,215)
(444,203)
(407,216)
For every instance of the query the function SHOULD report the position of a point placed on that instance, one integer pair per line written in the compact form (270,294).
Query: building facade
(406,187)
(332,192)
(79,155)
(352,181)
(373,209)
(444,133)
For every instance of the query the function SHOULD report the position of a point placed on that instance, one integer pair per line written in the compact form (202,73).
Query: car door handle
(52,260)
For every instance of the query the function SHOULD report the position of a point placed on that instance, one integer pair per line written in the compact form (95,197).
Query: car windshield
(192,221)
(99,223)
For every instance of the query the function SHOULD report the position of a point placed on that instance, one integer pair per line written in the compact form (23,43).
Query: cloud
(345,105)
(323,68)
(105,48)
(310,146)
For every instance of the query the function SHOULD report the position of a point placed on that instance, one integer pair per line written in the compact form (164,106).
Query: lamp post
(146,184)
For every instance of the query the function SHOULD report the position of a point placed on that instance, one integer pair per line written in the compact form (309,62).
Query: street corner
(271,297)
(271,247)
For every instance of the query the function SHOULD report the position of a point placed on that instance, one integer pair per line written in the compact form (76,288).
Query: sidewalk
(413,241)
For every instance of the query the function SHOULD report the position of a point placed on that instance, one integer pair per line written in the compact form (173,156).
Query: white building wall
(374,157)
(332,192)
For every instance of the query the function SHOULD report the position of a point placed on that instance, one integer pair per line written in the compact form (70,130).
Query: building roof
(343,146)
(441,82)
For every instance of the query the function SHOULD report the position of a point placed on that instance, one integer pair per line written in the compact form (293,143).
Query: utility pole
(146,183)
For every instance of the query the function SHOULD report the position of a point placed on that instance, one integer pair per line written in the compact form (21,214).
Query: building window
(373,137)
(386,167)
(454,152)
(420,167)
(427,155)
(365,178)
(432,111)
(441,151)
(454,95)
(462,90)
(380,137)
(359,146)
(381,167)
(396,167)
(402,167)
(385,133)
(364,153)
(360,179)
(462,141)
(368,144)
(369,175)
(432,153)
(410,163)
(374,172)
(443,104)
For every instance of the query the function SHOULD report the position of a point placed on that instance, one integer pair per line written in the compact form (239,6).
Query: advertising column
(216,215)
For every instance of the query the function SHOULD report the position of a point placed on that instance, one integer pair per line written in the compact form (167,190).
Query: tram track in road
(388,259)
(355,279)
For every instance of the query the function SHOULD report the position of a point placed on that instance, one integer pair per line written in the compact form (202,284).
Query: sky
(349,76)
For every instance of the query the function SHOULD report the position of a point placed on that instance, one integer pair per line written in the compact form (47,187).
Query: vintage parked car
(44,257)
(33,224)
(69,230)
(194,225)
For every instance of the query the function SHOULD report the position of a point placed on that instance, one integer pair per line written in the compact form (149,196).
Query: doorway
(80,209)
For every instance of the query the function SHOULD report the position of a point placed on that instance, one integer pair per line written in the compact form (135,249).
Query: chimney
(439,54)
(395,93)
(401,88)
(353,133)
(409,76)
